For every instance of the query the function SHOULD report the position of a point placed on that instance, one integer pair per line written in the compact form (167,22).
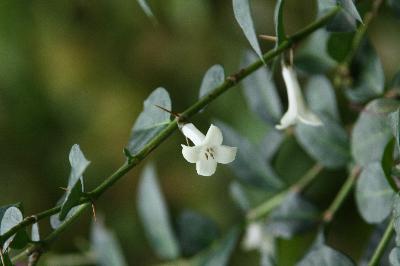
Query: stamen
(206,156)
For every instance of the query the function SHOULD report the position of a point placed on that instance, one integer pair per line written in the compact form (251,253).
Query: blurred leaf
(241,9)
(372,131)
(369,78)
(195,232)
(396,217)
(247,196)
(325,256)
(294,215)
(35,235)
(278,21)
(10,216)
(249,165)
(213,78)
(312,56)
(151,121)
(219,253)
(260,92)
(394,121)
(75,183)
(328,144)
(395,83)
(271,143)
(345,20)
(373,194)
(55,221)
(105,246)
(395,6)
(339,44)
(147,10)
(394,257)
(321,97)
(387,163)
(154,215)
(21,239)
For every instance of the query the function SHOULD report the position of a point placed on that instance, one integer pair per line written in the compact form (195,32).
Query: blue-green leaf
(107,251)
(373,194)
(35,234)
(396,217)
(345,20)
(151,121)
(154,215)
(294,215)
(372,131)
(249,166)
(325,256)
(219,254)
(241,9)
(260,92)
(213,78)
(9,217)
(394,257)
(75,183)
(278,20)
(195,232)
(387,163)
(328,144)
(248,196)
(369,81)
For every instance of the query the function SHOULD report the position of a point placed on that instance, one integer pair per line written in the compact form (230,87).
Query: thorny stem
(230,82)
(273,202)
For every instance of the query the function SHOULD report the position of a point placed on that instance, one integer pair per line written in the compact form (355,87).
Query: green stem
(273,202)
(230,82)
(341,196)
(380,249)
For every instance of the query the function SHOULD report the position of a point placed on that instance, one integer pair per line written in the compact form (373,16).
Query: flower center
(209,153)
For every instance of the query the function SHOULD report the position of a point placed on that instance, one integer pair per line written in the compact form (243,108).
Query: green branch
(230,82)
(387,236)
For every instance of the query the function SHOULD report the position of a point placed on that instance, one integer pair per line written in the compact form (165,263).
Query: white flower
(297,111)
(253,238)
(208,150)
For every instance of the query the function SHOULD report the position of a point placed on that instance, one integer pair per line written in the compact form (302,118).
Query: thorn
(168,111)
(268,37)
(63,188)
(94,212)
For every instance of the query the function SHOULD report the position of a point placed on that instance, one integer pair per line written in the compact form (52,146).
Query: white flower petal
(191,154)
(310,118)
(192,133)
(288,119)
(253,238)
(206,167)
(214,136)
(225,154)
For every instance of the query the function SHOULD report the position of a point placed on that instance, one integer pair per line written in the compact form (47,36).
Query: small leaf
(35,234)
(218,254)
(387,163)
(345,20)
(151,121)
(293,216)
(249,166)
(271,143)
(278,20)
(395,83)
(312,56)
(321,97)
(247,196)
(396,217)
(328,144)
(339,45)
(10,217)
(213,78)
(105,246)
(147,10)
(260,92)
(372,131)
(394,257)
(196,232)
(367,69)
(241,9)
(325,256)
(75,183)
(373,194)
(154,215)
(350,8)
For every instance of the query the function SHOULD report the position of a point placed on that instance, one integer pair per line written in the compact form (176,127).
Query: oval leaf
(325,256)
(213,78)
(373,194)
(154,215)
(241,9)
(11,217)
(151,121)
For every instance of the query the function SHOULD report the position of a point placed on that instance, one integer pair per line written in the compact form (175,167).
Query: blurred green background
(77,71)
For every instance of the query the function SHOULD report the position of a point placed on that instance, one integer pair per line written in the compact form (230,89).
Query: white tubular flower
(253,238)
(208,150)
(297,111)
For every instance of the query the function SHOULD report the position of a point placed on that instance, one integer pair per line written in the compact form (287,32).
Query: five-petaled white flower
(297,111)
(208,150)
